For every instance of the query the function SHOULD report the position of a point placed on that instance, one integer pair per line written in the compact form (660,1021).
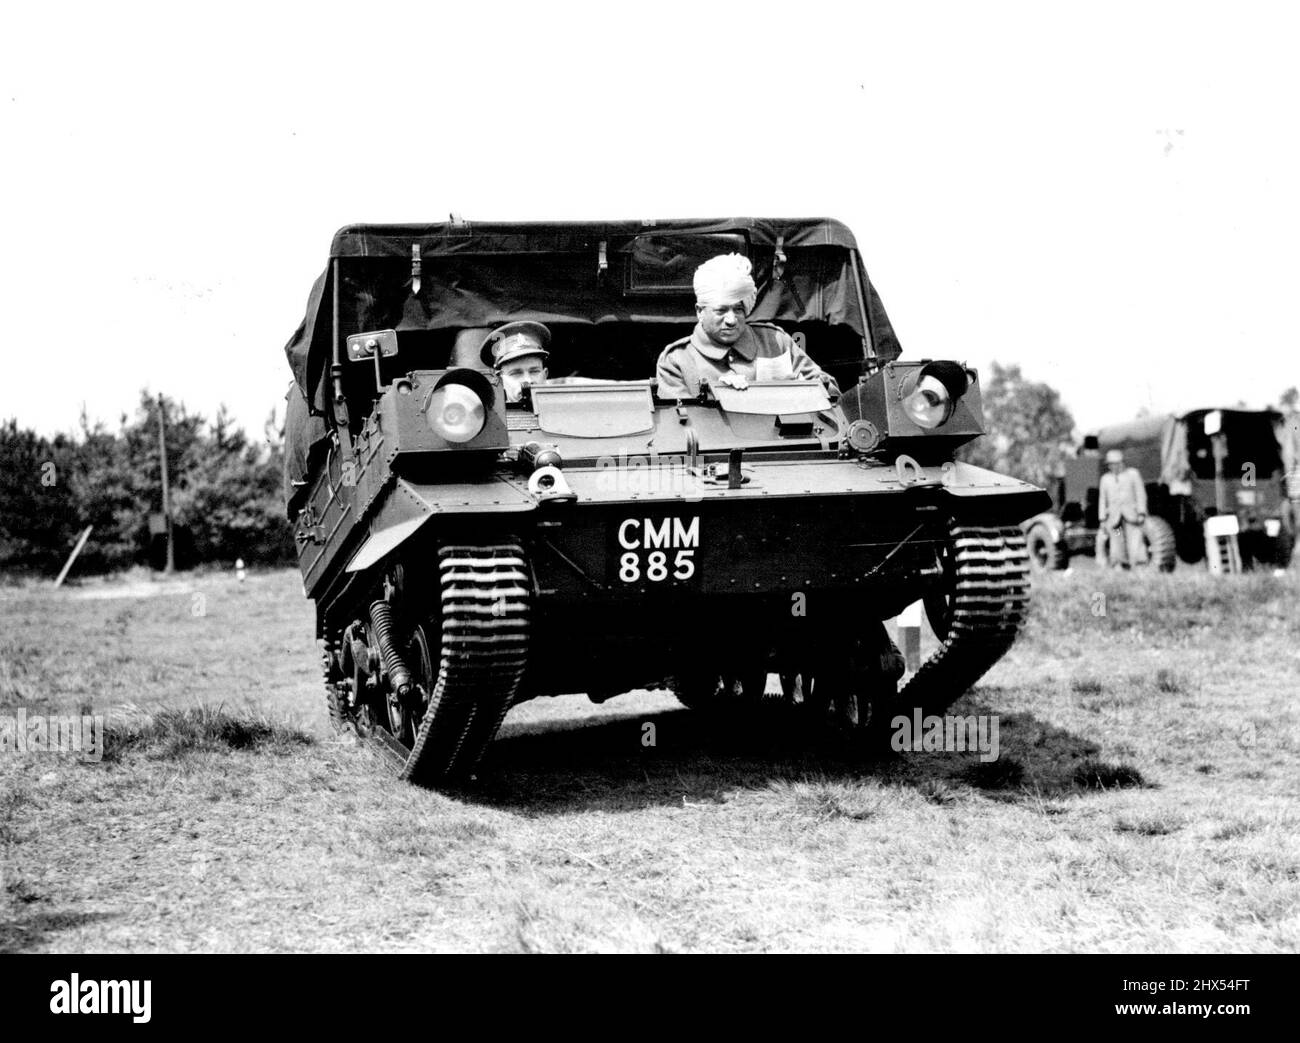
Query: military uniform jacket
(763,352)
(1121,497)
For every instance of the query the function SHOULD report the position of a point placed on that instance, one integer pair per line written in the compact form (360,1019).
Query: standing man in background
(1122,508)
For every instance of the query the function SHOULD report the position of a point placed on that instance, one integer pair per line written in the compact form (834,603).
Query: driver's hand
(733,379)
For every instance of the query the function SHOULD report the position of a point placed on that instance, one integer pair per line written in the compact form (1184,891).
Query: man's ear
(699,310)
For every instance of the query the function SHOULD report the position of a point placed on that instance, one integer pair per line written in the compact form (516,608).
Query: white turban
(725,279)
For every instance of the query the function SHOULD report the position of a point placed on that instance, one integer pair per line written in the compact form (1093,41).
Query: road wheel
(1161,543)
(404,720)
(696,690)
(1045,554)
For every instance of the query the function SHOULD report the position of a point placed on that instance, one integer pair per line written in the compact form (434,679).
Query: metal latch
(732,473)
(309,530)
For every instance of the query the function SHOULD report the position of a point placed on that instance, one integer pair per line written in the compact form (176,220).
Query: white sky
(1107,194)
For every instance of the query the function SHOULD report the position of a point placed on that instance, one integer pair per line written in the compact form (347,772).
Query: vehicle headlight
(933,397)
(929,405)
(924,409)
(456,412)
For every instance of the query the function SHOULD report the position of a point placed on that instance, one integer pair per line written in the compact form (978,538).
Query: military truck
(1191,473)
(465,554)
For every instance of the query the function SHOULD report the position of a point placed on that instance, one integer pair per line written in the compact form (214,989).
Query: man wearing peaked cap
(726,347)
(517,351)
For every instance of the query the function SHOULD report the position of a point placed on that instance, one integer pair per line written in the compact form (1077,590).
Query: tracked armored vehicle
(466,554)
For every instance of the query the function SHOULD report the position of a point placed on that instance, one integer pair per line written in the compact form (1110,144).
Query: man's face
(722,323)
(526,369)
(1115,466)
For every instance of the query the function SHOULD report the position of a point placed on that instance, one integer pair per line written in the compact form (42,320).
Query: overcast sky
(1108,195)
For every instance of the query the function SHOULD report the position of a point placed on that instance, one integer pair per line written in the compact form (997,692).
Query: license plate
(654,551)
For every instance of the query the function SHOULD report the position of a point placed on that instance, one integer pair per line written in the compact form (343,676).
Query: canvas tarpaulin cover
(1143,442)
(1288,437)
(1250,441)
(1175,450)
(477,275)
(1177,470)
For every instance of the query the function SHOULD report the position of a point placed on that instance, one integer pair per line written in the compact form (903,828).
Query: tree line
(226,489)
(226,498)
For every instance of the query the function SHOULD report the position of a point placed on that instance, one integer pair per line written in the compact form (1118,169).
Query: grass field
(1145,800)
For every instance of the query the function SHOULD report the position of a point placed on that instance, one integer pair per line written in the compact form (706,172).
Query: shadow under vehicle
(466,554)
(1195,465)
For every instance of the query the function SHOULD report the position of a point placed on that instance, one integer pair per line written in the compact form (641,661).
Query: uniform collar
(746,347)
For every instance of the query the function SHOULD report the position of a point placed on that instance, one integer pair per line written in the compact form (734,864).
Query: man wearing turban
(725,347)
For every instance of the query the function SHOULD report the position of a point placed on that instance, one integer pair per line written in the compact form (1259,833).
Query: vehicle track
(979,615)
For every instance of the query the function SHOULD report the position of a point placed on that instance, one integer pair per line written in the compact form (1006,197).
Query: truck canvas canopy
(1174,449)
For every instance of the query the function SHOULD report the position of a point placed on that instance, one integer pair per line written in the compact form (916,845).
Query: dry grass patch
(171,733)
(1102,775)
(1128,811)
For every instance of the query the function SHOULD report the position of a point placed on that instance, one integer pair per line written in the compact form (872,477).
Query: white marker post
(73,556)
(909,635)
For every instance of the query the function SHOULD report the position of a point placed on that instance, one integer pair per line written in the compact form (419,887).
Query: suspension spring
(381,622)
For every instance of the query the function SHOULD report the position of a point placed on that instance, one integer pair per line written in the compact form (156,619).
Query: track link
(485,610)
(987,602)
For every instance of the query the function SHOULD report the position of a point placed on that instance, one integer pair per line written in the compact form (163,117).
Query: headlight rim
(457,389)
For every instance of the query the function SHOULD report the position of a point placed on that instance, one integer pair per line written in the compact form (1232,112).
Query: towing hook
(549,483)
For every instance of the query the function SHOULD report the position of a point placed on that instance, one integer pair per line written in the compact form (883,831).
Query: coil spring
(381,621)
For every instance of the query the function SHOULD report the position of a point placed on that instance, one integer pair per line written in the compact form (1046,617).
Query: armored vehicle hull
(598,538)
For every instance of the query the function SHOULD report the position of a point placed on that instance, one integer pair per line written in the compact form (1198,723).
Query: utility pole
(166,499)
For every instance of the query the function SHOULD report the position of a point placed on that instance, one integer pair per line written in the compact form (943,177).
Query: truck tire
(1161,543)
(1045,554)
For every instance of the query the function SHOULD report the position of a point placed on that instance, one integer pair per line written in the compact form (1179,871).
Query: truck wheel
(1161,543)
(1045,554)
